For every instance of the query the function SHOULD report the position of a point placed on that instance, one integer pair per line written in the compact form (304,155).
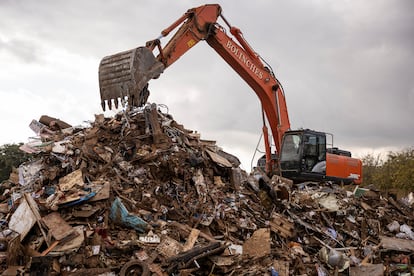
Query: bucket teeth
(103,105)
(123,77)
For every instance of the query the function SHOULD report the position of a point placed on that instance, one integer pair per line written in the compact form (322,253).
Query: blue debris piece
(120,215)
(273,272)
(79,201)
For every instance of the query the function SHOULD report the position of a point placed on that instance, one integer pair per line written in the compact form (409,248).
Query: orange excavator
(300,155)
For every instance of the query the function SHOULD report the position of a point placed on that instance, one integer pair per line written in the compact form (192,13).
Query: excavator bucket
(123,77)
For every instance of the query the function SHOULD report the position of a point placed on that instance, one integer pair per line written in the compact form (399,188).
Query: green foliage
(371,165)
(11,156)
(395,172)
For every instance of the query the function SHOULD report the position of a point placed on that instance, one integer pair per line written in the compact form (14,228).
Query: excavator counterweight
(123,77)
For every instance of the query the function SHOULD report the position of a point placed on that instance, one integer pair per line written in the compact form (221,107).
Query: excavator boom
(124,77)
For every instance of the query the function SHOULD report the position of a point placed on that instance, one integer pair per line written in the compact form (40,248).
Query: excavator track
(123,77)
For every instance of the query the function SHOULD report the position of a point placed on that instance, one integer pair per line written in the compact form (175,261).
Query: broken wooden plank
(258,245)
(219,160)
(155,124)
(68,181)
(102,190)
(71,245)
(282,226)
(23,219)
(192,238)
(58,227)
(282,267)
(397,244)
(35,209)
(367,270)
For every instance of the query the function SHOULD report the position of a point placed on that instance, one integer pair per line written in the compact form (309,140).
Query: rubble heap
(140,194)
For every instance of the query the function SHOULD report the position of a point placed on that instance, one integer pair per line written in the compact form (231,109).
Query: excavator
(300,155)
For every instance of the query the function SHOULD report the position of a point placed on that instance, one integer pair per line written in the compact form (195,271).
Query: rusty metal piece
(185,259)
(123,77)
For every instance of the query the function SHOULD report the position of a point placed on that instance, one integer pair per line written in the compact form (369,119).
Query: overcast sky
(347,67)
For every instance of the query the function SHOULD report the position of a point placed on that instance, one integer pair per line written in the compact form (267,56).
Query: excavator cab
(303,151)
(305,156)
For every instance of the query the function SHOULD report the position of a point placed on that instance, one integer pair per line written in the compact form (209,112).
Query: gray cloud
(24,50)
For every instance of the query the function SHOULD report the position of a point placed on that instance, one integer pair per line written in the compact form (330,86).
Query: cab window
(291,148)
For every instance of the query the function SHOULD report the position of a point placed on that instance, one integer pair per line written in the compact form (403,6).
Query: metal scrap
(139,192)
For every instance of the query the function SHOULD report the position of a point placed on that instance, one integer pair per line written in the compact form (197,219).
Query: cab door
(314,153)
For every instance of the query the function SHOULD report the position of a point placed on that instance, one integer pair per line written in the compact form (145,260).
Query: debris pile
(140,194)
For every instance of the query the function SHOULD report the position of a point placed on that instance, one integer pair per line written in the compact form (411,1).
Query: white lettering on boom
(244,59)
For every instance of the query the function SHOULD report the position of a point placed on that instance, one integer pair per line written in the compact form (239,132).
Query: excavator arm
(124,76)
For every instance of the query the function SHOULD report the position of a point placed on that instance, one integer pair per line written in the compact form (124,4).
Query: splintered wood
(282,226)
(191,240)
(58,227)
(139,186)
(69,181)
(258,245)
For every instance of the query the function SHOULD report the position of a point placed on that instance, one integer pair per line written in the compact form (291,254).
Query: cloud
(24,50)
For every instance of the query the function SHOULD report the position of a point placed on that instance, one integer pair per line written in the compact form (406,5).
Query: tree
(11,156)
(399,169)
(395,172)
(371,165)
